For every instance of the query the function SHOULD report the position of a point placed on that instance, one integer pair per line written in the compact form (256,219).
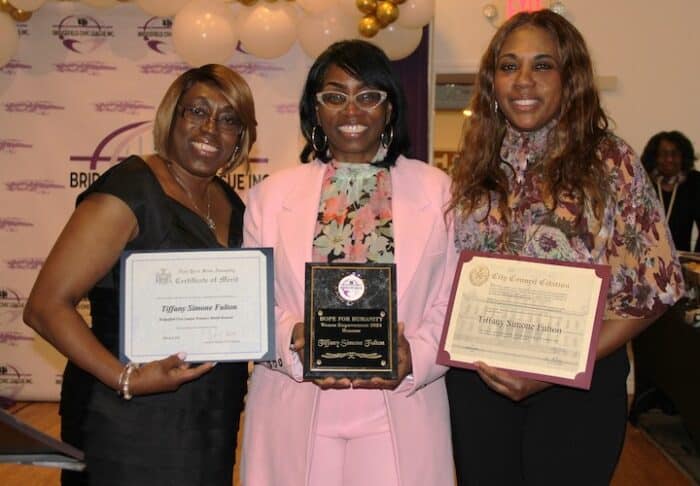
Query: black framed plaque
(350,321)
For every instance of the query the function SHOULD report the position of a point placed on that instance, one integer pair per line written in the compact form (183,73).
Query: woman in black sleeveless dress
(180,427)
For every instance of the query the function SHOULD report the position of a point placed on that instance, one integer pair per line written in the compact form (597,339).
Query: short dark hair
(651,150)
(232,86)
(367,63)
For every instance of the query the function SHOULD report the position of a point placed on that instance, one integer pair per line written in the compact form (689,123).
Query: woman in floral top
(541,176)
(355,198)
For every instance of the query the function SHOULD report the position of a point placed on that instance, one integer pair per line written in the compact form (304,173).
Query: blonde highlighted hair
(235,90)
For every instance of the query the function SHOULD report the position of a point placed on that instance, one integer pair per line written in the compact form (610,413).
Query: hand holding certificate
(536,318)
(214,304)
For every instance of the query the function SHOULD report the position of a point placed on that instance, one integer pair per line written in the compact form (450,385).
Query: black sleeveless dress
(187,437)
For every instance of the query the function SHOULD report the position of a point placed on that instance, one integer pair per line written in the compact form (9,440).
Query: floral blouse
(632,237)
(354,217)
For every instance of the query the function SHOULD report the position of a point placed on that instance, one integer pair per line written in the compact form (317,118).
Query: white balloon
(9,39)
(268,30)
(396,41)
(27,5)
(349,7)
(315,7)
(161,8)
(204,32)
(100,3)
(318,32)
(415,13)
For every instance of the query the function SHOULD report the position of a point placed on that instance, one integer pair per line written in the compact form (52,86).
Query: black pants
(559,436)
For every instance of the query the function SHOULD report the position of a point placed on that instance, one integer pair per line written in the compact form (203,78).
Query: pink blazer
(279,421)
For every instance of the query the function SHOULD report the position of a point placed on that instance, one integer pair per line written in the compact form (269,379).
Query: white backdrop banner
(79,96)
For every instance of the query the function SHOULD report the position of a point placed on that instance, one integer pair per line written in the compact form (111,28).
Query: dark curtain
(413,72)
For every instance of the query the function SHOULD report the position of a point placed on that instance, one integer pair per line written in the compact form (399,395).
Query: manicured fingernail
(182,355)
(214,363)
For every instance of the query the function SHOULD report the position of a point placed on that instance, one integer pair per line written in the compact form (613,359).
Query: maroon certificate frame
(536,318)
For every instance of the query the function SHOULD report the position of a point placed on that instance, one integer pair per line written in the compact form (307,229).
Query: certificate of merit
(215,305)
(536,318)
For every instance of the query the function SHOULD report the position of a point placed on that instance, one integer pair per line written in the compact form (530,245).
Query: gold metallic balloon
(366,6)
(386,13)
(5,6)
(20,15)
(369,26)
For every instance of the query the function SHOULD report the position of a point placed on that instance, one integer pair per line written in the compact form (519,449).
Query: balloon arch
(208,31)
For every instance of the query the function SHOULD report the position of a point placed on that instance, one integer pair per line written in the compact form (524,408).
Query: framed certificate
(536,318)
(350,320)
(215,305)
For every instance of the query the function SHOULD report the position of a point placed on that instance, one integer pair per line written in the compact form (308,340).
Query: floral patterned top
(354,217)
(632,237)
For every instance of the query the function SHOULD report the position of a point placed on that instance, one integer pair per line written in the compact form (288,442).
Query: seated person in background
(668,158)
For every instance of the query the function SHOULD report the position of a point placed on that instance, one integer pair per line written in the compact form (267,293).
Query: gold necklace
(207,218)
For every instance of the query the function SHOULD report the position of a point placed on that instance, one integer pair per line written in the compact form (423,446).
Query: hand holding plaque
(350,321)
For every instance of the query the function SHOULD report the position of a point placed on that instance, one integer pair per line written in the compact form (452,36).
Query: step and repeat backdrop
(78,96)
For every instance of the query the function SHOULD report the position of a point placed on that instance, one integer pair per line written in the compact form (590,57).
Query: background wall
(650,46)
(79,96)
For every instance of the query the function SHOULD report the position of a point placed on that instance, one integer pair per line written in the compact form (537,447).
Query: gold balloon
(5,6)
(366,6)
(386,13)
(20,15)
(369,26)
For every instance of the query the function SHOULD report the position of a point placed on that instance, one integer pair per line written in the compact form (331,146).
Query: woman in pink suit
(355,199)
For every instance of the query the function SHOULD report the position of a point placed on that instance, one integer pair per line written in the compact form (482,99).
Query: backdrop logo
(11,306)
(256,68)
(12,338)
(38,186)
(12,380)
(82,33)
(24,263)
(12,224)
(13,66)
(286,108)
(11,145)
(115,146)
(92,68)
(22,28)
(154,30)
(34,107)
(168,68)
(122,106)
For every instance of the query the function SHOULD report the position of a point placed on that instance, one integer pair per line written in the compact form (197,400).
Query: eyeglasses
(366,100)
(224,122)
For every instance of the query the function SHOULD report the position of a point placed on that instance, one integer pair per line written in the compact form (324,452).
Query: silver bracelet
(124,376)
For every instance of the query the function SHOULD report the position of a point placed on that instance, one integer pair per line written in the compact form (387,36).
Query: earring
(318,147)
(386,138)
(232,163)
(495,106)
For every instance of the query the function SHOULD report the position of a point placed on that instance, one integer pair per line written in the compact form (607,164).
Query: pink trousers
(353,445)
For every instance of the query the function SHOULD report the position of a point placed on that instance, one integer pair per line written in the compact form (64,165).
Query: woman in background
(180,427)
(356,198)
(541,175)
(669,158)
